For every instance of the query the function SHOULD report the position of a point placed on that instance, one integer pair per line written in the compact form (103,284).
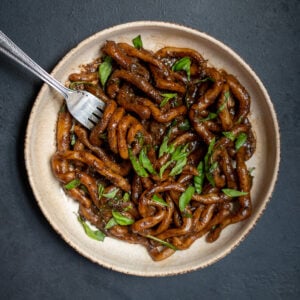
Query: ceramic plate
(59,209)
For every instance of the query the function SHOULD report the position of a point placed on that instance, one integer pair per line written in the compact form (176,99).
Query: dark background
(35,263)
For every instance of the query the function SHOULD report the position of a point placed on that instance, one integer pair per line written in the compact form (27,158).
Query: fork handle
(9,48)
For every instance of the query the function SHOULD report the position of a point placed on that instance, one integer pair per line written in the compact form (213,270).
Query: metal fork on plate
(83,106)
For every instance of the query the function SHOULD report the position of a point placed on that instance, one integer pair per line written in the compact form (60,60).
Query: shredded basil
(72,184)
(159,200)
(166,98)
(199,179)
(137,166)
(240,140)
(164,243)
(112,194)
(145,161)
(137,42)
(184,64)
(233,193)
(111,223)
(93,234)
(122,220)
(186,197)
(229,135)
(105,70)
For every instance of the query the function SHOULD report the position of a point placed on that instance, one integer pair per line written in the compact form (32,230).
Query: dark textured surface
(35,263)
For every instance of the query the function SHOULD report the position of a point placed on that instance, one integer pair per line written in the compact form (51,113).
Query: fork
(86,108)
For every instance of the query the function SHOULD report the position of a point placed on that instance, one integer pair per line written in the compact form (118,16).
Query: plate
(59,209)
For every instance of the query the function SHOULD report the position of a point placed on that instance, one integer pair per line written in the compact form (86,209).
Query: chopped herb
(145,161)
(186,197)
(137,42)
(198,180)
(240,140)
(112,194)
(72,184)
(209,153)
(164,167)
(111,223)
(184,64)
(122,220)
(185,125)
(210,116)
(140,138)
(213,167)
(73,139)
(126,197)
(103,136)
(164,148)
(229,135)
(210,178)
(177,169)
(159,200)
(139,169)
(166,98)
(233,193)
(164,243)
(222,107)
(105,70)
(93,234)
(100,190)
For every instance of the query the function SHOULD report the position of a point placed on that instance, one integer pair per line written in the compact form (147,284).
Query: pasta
(166,164)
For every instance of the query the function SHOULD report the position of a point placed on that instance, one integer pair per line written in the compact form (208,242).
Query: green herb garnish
(105,70)
(240,140)
(112,194)
(166,98)
(145,161)
(185,125)
(199,179)
(184,64)
(186,197)
(72,184)
(93,234)
(229,135)
(111,223)
(122,220)
(233,193)
(210,116)
(159,200)
(162,242)
(100,190)
(137,42)
(137,166)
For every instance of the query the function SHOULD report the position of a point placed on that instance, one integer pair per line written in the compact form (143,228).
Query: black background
(35,263)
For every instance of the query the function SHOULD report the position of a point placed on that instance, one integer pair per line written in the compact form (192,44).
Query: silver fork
(84,107)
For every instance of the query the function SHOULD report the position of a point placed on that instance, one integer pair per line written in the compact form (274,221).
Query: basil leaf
(222,107)
(240,140)
(233,193)
(145,161)
(186,197)
(159,200)
(208,153)
(111,223)
(122,220)
(166,98)
(137,42)
(164,148)
(112,194)
(184,64)
(72,184)
(140,138)
(93,234)
(185,125)
(139,169)
(210,178)
(199,179)
(213,167)
(229,135)
(164,167)
(210,116)
(177,169)
(100,190)
(164,243)
(105,70)
(126,197)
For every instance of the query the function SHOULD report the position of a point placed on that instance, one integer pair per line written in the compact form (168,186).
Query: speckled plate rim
(247,227)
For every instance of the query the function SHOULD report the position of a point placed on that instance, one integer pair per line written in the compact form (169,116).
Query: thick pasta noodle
(166,164)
